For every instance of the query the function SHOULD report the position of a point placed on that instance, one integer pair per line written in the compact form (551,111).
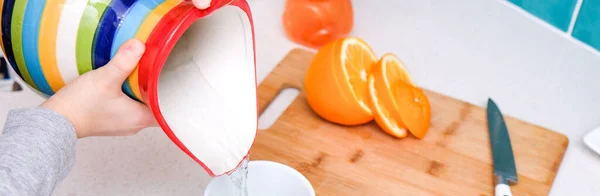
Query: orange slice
(381,113)
(336,81)
(392,69)
(385,109)
(415,109)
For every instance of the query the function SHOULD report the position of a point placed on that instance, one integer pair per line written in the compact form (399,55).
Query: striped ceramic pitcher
(193,58)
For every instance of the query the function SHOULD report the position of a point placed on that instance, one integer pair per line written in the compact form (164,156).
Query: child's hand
(95,103)
(202,4)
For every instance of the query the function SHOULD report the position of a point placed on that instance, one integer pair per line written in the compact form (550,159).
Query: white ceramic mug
(265,178)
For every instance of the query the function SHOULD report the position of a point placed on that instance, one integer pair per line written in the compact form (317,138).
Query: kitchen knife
(505,171)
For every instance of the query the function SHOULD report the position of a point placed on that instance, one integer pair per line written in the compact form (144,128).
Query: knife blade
(505,171)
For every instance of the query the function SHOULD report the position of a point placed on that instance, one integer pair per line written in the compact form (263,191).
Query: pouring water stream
(239,177)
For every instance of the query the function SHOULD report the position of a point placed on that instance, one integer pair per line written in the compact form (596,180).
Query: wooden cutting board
(453,159)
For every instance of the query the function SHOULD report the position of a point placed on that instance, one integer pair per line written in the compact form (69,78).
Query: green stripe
(85,35)
(16,39)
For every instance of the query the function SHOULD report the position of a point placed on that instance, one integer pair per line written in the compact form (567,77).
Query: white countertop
(467,49)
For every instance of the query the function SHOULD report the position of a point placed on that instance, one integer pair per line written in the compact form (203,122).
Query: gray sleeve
(37,150)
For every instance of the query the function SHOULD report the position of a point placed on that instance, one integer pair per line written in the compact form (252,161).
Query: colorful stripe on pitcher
(31,29)
(85,34)
(50,42)
(127,30)
(105,34)
(68,41)
(1,35)
(17,16)
(7,10)
(47,42)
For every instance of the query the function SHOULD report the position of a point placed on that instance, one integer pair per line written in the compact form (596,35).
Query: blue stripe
(31,29)
(104,37)
(7,11)
(138,12)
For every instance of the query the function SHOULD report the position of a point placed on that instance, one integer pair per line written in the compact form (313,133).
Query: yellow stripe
(144,32)
(1,40)
(47,43)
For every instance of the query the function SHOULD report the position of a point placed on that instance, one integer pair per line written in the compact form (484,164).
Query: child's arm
(37,150)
